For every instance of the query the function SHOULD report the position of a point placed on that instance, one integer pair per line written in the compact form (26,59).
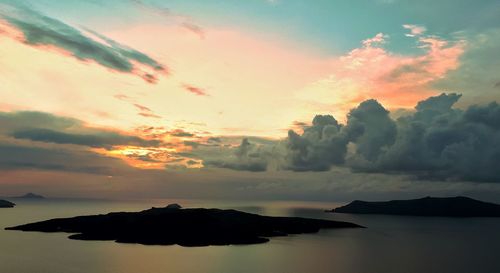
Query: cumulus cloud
(320,146)
(245,157)
(371,129)
(436,142)
(378,39)
(40,30)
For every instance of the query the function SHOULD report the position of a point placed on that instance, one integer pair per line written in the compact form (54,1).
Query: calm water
(389,244)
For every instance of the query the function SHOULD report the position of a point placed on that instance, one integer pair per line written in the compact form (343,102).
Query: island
(185,227)
(30,195)
(6,204)
(428,206)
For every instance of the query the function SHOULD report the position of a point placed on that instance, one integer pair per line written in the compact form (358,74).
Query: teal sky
(330,26)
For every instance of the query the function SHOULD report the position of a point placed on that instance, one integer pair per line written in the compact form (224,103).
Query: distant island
(6,204)
(429,206)
(186,227)
(30,195)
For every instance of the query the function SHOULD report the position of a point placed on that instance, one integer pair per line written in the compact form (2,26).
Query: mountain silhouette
(6,204)
(30,195)
(428,206)
(185,227)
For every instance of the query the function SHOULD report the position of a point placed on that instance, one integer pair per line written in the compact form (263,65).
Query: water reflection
(389,244)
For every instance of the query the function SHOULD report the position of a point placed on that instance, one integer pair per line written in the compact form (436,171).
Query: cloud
(18,157)
(477,76)
(12,121)
(436,142)
(181,133)
(195,90)
(370,128)
(378,39)
(42,31)
(396,80)
(145,111)
(320,146)
(196,29)
(415,30)
(144,148)
(48,128)
(246,156)
(181,20)
(97,139)
(148,115)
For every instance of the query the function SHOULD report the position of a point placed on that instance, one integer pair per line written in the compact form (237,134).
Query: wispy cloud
(195,90)
(415,30)
(145,111)
(41,31)
(182,21)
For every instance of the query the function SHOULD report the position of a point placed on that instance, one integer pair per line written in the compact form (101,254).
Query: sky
(259,99)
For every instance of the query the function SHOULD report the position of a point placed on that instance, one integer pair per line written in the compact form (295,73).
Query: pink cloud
(195,90)
(145,111)
(380,38)
(396,80)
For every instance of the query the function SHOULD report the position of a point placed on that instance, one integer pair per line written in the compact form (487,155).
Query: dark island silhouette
(6,204)
(186,227)
(428,206)
(30,195)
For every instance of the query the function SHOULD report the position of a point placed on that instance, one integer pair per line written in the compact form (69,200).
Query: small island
(6,204)
(30,195)
(186,227)
(428,206)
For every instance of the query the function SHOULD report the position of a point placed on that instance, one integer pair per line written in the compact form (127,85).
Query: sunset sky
(276,99)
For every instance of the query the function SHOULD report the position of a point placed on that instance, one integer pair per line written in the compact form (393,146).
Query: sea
(399,244)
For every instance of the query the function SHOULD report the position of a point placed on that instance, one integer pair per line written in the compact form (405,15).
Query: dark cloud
(37,140)
(48,128)
(193,144)
(100,139)
(214,139)
(15,157)
(12,121)
(192,162)
(370,128)
(181,133)
(436,142)
(246,157)
(321,145)
(39,29)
